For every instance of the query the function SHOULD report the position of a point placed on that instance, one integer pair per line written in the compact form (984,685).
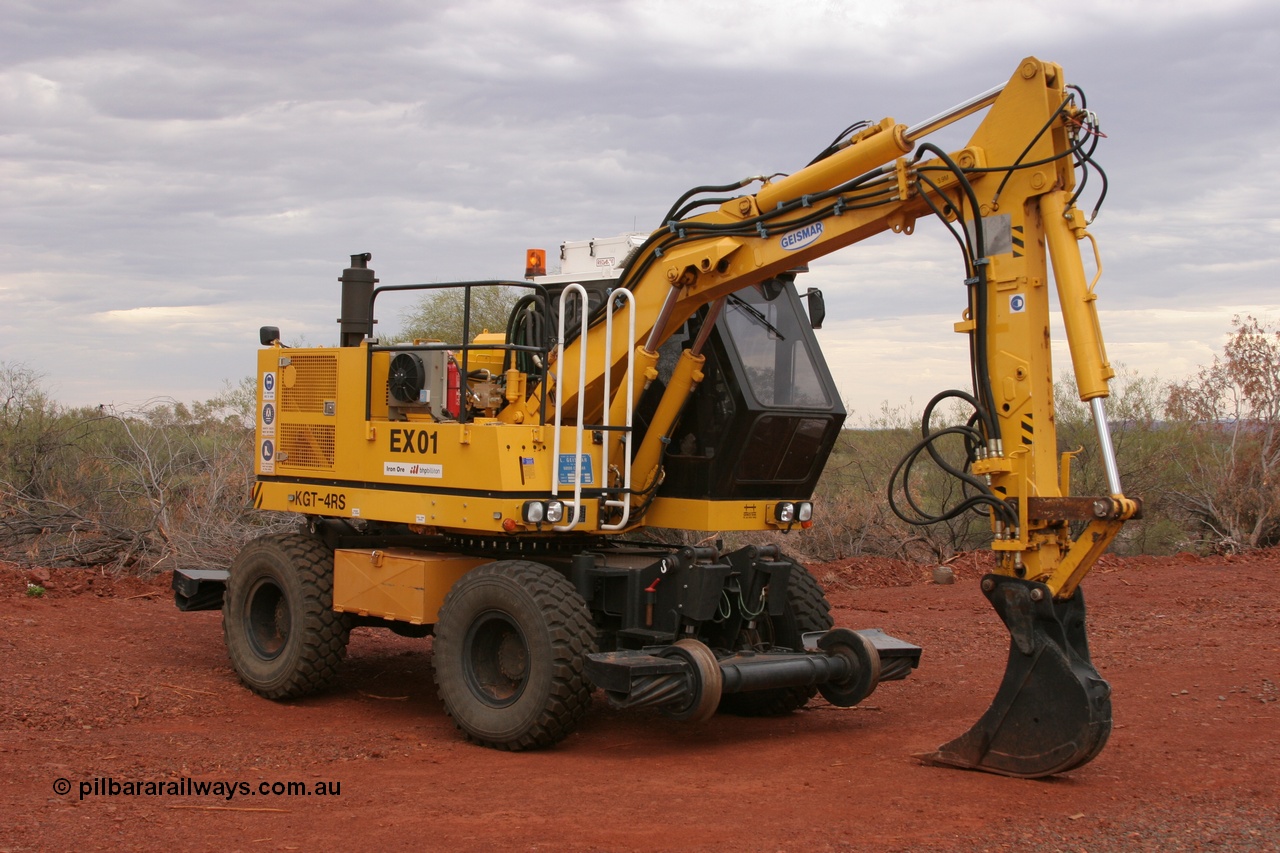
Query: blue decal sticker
(564,469)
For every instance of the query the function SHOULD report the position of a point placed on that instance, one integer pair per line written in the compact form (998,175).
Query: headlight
(533,512)
(555,512)
(785,512)
(804,512)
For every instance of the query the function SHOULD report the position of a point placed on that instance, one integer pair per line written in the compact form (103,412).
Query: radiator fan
(406,378)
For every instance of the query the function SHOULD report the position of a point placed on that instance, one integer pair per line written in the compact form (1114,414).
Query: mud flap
(1052,712)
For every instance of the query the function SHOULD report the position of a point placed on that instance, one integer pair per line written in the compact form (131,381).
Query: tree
(1145,450)
(1230,415)
(150,488)
(437,315)
(29,430)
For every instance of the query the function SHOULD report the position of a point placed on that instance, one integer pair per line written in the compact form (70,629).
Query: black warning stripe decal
(527,494)
(1028,430)
(257,495)
(1017,241)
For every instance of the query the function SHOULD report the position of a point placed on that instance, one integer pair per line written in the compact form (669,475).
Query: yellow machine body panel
(319,456)
(683,513)
(407,585)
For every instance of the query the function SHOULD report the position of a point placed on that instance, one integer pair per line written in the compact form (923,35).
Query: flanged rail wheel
(704,672)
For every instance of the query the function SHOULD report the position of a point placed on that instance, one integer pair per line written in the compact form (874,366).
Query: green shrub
(1227,419)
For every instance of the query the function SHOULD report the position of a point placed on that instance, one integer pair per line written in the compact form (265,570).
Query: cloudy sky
(175,174)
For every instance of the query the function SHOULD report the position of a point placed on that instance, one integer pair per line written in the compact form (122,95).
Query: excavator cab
(766,417)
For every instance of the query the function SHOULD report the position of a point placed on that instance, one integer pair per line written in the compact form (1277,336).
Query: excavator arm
(1009,198)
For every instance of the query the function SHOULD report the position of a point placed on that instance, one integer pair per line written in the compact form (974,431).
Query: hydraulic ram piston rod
(959,111)
(1097,404)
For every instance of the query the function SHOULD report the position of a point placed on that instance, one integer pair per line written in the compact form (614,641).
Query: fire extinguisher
(453,395)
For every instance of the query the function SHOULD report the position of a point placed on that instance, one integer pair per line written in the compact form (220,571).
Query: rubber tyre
(282,635)
(807,610)
(509,655)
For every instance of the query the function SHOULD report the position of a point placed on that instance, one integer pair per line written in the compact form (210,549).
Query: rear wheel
(282,635)
(807,610)
(511,643)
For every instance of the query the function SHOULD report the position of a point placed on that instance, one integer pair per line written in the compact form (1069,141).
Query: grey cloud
(230,156)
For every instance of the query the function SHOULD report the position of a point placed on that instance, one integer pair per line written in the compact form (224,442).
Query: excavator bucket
(1052,712)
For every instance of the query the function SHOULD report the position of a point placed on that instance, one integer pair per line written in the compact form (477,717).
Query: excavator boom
(1009,198)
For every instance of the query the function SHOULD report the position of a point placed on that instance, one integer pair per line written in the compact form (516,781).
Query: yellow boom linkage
(1011,187)
(1023,191)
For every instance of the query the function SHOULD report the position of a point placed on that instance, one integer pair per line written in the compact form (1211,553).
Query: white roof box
(590,260)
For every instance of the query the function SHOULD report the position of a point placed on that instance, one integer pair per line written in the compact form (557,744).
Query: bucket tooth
(1052,712)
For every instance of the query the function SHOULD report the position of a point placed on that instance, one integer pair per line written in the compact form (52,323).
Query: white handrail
(625,503)
(582,395)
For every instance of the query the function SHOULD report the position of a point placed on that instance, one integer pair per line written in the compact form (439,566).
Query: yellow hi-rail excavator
(482,489)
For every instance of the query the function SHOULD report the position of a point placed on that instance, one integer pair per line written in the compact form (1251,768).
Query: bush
(150,489)
(29,433)
(1146,450)
(1228,422)
(167,484)
(853,513)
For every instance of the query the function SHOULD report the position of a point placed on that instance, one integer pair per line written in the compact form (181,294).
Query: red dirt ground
(104,679)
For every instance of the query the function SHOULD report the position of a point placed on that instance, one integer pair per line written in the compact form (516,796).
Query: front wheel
(282,634)
(511,643)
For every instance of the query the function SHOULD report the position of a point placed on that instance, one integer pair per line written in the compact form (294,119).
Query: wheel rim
(267,619)
(496,659)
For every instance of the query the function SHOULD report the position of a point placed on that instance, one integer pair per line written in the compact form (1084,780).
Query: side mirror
(268,335)
(817,307)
